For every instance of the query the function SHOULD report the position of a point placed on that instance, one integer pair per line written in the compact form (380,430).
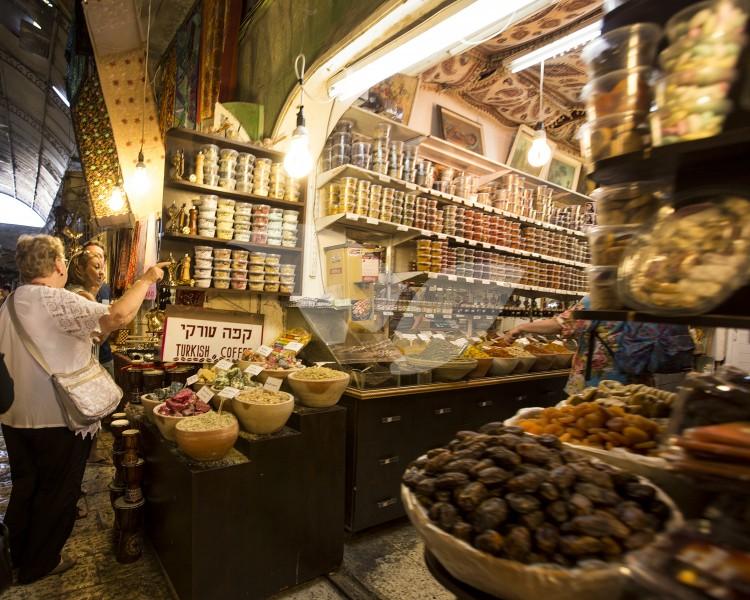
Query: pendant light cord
(541,90)
(145,78)
(299,71)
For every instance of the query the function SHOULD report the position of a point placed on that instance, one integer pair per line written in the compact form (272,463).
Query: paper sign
(372,221)
(460,342)
(523,341)
(429,316)
(470,280)
(452,278)
(410,186)
(387,313)
(253,370)
(264,350)
(408,314)
(409,336)
(402,228)
(439,336)
(442,236)
(191,380)
(229,392)
(294,346)
(424,336)
(460,239)
(472,243)
(223,365)
(205,393)
(426,233)
(273,384)
(476,340)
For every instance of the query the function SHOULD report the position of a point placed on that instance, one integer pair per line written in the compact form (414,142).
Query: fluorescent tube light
(557,47)
(457,25)
(35,24)
(61,96)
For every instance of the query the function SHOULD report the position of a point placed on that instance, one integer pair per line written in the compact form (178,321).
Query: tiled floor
(383,564)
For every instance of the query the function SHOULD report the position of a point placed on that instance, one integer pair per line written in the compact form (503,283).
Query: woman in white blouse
(47,460)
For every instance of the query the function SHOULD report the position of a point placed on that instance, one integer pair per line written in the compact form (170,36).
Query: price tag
(273,384)
(523,341)
(430,316)
(476,339)
(472,243)
(408,314)
(384,178)
(486,245)
(442,236)
(387,313)
(223,365)
(426,233)
(486,281)
(402,228)
(452,278)
(470,280)
(424,336)
(264,350)
(460,239)
(229,392)
(460,342)
(372,221)
(191,380)
(205,393)
(439,336)
(253,370)
(409,336)
(410,186)
(294,346)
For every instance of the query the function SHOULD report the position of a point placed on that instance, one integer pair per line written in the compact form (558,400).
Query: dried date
(489,541)
(558,511)
(533,452)
(580,505)
(437,462)
(493,428)
(640,492)
(503,457)
(549,492)
(522,503)
(547,537)
(463,465)
(632,515)
(518,544)
(493,476)
(572,545)
(533,519)
(550,441)
(444,514)
(470,496)
(449,481)
(508,440)
(596,494)
(462,530)
(412,477)
(426,487)
(490,514)
(526,483)
(591,475)
(563,477)
(485,463)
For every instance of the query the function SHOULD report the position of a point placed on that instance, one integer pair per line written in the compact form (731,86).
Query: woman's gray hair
(36,255)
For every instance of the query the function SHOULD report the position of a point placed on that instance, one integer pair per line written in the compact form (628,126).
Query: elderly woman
(47,459)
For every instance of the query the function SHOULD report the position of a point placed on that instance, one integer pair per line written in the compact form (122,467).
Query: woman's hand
(155,274)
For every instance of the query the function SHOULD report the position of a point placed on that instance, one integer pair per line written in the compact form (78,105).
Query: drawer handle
(485,403)
(386,503)
(388,461)
(393,419)
(443,411)
(521,398)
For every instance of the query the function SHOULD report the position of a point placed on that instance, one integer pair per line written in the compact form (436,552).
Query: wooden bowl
(165,423)
(207,445)
(148,403)
(263,418)
(483,365)
(502,366)
(543,362)
(318,393)
(524,364)
(454,370)
(277,373)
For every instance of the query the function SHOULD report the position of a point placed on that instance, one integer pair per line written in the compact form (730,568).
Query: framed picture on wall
(393,97)
(520,149)
(564,170)
(461,131)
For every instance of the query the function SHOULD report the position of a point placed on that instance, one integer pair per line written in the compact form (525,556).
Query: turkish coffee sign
(196,335)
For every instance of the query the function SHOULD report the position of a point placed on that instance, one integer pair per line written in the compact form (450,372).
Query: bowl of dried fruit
(519,517)
(183,405)
(318,387)
(262,411)
(208,436)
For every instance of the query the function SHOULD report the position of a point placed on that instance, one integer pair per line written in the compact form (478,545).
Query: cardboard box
(349,267)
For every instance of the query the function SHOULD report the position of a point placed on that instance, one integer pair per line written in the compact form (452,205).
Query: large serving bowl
(543,362)
(483,365)
(503,366)
(228,406)
(562,360)
(277,373)
(212,444)
(318,393)
(165,423)
(524,364)
(451,370)
(149,403)
(262,418)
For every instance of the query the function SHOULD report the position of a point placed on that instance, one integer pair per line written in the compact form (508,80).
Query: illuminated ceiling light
(48,3)
(557,47)
(116,200)
(139,183)
(540,153)
(449,32)
(298,160)
(60,95)
(35,24)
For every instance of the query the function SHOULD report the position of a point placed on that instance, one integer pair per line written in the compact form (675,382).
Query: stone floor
(382,564)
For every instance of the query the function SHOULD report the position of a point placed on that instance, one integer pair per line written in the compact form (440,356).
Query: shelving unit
(709,320)
(228,292)
(184,192)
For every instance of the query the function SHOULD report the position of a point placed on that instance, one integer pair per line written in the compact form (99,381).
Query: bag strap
(25,339)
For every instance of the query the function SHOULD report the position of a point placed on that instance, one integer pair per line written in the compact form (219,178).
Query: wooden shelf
(511,287)
(197,137)
(710,320)
(225,193)
(366,121)
(230,292)
(405,233)
(360,173)
(234,243)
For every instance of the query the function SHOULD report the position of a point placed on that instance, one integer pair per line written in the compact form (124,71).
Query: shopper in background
(105,297)
(616,350)
(47,460)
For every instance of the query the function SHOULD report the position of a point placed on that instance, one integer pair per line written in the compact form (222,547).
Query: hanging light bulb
(539,153)
(116,201)
(298,160)
(139,182)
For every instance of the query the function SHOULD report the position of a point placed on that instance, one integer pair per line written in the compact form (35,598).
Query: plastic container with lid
(238,218)
(608,243)
(627,90)
(270,287)
(688,121)
(203,251)
(708,20)
(718,55)
(256,286)
(614,135)
(288,269)
(273,259)
(629,203)
(221,263)
(286,289)
(691,260)
(204,263)
(203,283)
(207,232)
(603,288)
(239,283)
(221,283)
(622,48)
(202,273)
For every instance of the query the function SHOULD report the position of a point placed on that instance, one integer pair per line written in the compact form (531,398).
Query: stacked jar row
(243,172)
(241,269)
(244,222)
(438,257)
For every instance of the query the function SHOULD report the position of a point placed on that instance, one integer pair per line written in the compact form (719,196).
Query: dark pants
(46,467)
